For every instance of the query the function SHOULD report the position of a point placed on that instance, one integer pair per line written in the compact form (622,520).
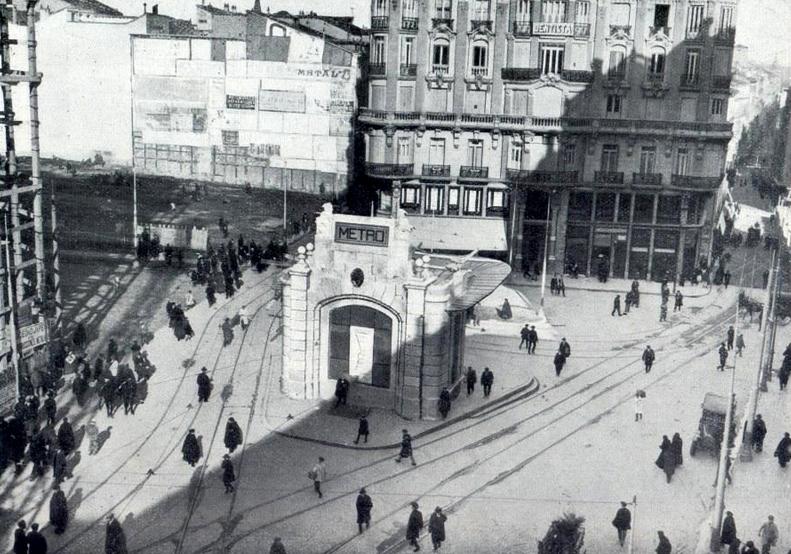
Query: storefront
(364,305)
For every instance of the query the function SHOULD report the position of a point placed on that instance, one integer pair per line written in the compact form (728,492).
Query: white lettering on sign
(359,233)
(31,336)
(553,29)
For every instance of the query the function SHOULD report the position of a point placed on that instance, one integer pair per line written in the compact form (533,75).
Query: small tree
(564,536)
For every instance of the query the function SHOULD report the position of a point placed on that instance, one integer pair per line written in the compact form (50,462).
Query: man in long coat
(436,526)
(648,358)
(413,526)
(228,474)
(622,522)
(364,506)
(114,539)
(783,450)
(728,534)
(204,385)
(227,332)
(560,361)
(59,467)
(723,352)
(759,433)
(190,450)
(66,436)
(58,510)
(406,447)
(36,543)
(233,435)
(678,449)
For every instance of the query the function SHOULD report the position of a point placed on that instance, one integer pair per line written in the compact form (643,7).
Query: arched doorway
(360,345)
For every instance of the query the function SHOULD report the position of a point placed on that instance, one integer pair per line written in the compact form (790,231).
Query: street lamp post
(546,250)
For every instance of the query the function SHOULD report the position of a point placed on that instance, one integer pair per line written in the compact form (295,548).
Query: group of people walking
(768,535)
(671,455)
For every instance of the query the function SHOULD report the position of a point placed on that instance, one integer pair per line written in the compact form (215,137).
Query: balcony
(473,172)
(525,177)
(442,22)
(695,182)
(655,77)
(656,30)
(695,34)
(575,76)
(380,23)
(582,30)
(481,24)
(389,170)
(616,75)
(440,69)
(608,177)
(433,170)
(722,82)
(409,23)
(522,29)
(521,73)
(407,70)
(617,29)
(377,69)
(479,71)
(647,179)
(725,36)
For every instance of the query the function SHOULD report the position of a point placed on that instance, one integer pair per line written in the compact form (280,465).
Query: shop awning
(459,234)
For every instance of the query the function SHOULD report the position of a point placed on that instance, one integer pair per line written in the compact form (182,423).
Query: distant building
(600,123)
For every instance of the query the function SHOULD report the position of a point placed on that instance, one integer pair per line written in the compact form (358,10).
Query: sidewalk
(616,286)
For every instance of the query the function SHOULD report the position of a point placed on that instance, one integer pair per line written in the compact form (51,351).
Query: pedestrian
(783,450)
(766,278)
(728,531)
(749,548)
(66,436)
(341,391)
(204,385)
(362,429)
(667,458)
(436,527)
(733,548)
(564,348)
(364,506)
(664,546)
(729,337)
(108,395)
(622,522)
(768,534)
(759,433)
(98,368)
(190,449)
(505,312)
(636,293)
(560,361)
(36,543)
(112,349)
(628,300)
(233,435)
(227,332)
(663,310)
(228,475)
(472,378)
(406,447)
(525,334)
(211,293)
(553,285)
(129,394)
(561,286)
(740,344)
(20,537)
(189,300)
(79,387)
(50,408)
(678,449)
(638,405)
(679,301)
(443,404)
(723,352)
(318,474)
(616,305)
(92,431)
(487,379)
(648,358)
(533,340)
(114,538)
(58,511)
(413,526)
(277,546)
(244,318)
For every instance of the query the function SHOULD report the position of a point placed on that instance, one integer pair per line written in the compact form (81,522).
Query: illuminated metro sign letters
(358,233)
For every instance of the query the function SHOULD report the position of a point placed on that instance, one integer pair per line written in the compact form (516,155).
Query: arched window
(440,56)
(656,65)
(480,58)
(617,67)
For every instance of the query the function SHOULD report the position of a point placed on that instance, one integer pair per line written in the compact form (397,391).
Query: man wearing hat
(413,526)
(228,475)
(406,447)
(364,506)
(622,522)
(190,450)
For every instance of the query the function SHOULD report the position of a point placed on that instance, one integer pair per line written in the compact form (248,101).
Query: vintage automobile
(712,425)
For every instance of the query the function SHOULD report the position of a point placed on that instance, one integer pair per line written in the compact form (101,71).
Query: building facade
(600,123)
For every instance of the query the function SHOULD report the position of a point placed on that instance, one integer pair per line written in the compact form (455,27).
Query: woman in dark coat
(413,526)
(115,539)
(58,511)
(678,448)
(190,450)
(66,436)
(228,474)
(210,293)
(80,336)
(560,361)
(227,332)
(38,454)
(59,467)
(728,534)
(436,526)
(233,435)
(667,458)
(783,450)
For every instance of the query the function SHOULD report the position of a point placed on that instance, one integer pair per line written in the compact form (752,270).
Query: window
(379,8)
(583,10)
(619,14)
(656,67)
(407,50)
(515,155)
(408,8)
(551,59)
(441,56)
(479,59)
(725,27)
(614,103)
(668,209)
(522,11)
(481,10)
(472,201)
(694,19)
(453,200)
(475,152)
(624,207)
(605,206)
(609,157)
(435,199)
(722,62)
(643,212)
(495,201)
(569,157)
(410,195)
(378,55)
(617,67)
(691,67)
(580,206)
(404,152)
(661,15)
(436,151)
(444,9)
(553,11)
(682,162)
(647,159)
(717,106)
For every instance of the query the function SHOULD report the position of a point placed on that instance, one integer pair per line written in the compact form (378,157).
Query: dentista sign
(359,233)
(553,29)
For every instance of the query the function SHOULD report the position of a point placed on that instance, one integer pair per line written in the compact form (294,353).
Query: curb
(610,291)
(528,389)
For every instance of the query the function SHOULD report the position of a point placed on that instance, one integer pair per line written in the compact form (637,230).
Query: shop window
(695,207)
(644,208)
(453,200)
(580,206)
(410,197)
(577,243)
(605,206)
(435,200)
(624,207)
(665,240)
(472,201)
(668,209)
(496,202)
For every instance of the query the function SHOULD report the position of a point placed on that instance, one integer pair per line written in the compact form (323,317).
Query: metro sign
(359,233)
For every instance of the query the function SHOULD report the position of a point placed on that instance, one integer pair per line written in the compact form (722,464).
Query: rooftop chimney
(233,8)
(257,6)
(145,7)
(155,9)
(225,7)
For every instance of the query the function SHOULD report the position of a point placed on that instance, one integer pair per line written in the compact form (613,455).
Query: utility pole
(546,249)
(634,524)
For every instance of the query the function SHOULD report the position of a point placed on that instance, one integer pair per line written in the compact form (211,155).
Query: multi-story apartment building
(601,122)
